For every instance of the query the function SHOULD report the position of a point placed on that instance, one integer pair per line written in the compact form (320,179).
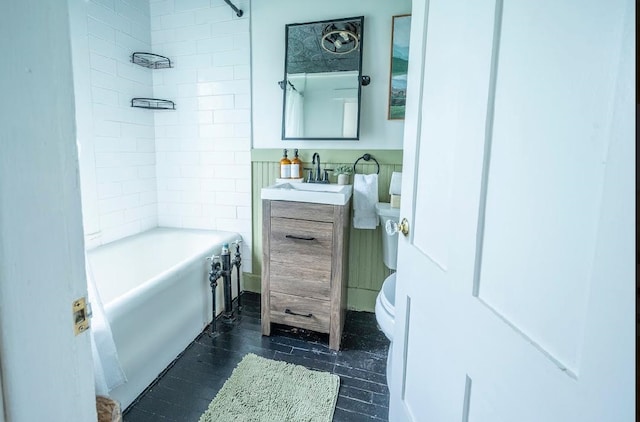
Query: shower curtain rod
(235,9)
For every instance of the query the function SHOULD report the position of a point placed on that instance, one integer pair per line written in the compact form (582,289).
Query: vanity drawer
(302,211)
(304,312)
(301,257)
(290,278)
(306,244)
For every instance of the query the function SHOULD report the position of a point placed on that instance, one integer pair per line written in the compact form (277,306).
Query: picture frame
(400,29)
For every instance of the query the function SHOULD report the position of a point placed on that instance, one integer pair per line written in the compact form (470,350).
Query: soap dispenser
(296,166)
(285,166)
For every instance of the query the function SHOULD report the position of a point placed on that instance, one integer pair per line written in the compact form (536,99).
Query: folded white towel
(396,183)
(365,197)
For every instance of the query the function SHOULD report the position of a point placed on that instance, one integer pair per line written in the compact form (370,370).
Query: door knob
(392,227)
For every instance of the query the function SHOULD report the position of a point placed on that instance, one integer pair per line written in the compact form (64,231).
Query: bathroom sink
(317,193)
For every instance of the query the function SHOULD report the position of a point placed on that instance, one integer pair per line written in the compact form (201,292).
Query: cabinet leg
(334,342)
(265,318)
(266,328)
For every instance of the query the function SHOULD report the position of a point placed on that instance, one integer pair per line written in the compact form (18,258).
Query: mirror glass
(322,74)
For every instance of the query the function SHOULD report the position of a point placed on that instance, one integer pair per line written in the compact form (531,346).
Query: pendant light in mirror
(340,37)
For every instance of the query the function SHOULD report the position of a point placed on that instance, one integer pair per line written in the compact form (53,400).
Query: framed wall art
(400,29)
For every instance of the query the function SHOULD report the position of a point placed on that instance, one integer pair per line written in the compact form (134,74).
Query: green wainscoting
(366,270)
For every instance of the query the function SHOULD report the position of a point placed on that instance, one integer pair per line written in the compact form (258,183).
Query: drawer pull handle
(290,312)
(290,236)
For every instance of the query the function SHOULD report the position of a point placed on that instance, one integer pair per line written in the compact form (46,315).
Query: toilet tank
(389,243)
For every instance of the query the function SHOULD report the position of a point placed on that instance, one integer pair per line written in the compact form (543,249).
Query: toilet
(385,302)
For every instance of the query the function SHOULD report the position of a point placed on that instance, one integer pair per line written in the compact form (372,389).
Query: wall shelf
(153,103)
(150,60)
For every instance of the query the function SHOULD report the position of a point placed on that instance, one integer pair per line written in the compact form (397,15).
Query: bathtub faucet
(236,262)
(222,266)
(214,275)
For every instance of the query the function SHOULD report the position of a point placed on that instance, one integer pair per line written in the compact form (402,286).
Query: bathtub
(156,294)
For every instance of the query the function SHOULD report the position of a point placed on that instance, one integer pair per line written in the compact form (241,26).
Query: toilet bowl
(386,313)
(385,301)
(385,306)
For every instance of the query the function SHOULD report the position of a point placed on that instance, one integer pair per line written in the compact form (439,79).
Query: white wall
(203,149)
(117,147)
(267,52)
(47,372)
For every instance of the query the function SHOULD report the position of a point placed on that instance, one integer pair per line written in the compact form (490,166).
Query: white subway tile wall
(203,161)
(123,138)
(187,168)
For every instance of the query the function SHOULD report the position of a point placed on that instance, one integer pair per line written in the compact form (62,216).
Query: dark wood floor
(184,390)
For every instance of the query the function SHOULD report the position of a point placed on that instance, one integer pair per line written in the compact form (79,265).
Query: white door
(46,370)
(515,296)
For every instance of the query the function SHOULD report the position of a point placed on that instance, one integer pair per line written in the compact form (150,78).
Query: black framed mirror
(322,80)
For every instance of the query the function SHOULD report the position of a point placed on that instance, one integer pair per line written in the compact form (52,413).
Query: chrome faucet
(320,177)
(317,178)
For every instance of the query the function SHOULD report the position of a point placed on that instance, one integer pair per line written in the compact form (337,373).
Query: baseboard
(361,299)
(252,282)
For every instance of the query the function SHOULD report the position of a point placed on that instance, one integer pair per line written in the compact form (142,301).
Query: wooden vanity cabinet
(304,271)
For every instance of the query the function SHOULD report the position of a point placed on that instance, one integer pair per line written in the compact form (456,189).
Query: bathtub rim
(118,306)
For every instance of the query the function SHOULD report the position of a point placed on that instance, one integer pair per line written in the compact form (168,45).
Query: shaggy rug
(261,389)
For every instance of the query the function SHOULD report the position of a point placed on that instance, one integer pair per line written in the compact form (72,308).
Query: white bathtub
(156,294)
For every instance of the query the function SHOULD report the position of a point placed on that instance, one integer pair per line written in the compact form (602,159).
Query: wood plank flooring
(183,391)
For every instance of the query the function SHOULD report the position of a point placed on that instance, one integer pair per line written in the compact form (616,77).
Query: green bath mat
(261,389)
